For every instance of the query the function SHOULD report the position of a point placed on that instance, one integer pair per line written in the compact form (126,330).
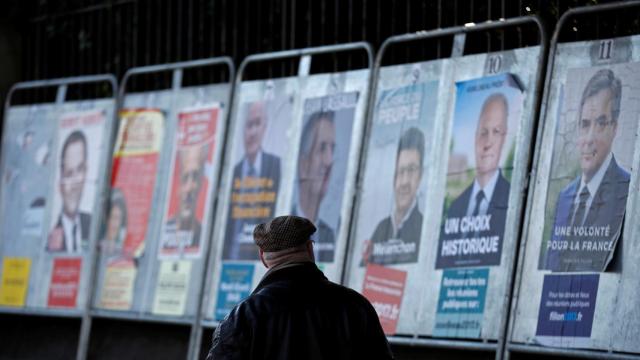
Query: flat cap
(283,232)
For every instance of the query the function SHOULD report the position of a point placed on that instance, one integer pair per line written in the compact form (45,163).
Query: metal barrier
(305,58)
(530,120)
(177,70)
(62,86)
(545,112)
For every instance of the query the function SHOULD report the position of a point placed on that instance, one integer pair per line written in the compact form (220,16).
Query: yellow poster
(15,281)
(172,288)
(117,289)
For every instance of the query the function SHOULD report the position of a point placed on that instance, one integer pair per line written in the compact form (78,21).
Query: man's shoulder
(569,190)
(615,170)
(459,205)
(268,158)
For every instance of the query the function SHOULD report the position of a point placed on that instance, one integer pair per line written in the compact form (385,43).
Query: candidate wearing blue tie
(590,210)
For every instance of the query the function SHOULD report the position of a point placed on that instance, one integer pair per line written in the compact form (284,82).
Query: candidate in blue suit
(590,210)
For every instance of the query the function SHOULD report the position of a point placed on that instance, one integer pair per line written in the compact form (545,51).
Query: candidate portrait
(488,194)
(591,207)
(256,176)
(315,162)
(396,239)
(185,225)
(71,231)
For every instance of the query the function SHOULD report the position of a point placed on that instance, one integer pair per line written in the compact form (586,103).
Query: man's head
(254,128)
(408,172)
(192,160)
(598,120)
(73,171)
(491,133)
(316,153)
(285,239)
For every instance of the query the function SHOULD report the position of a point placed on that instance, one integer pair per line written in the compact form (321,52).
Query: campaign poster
(81,141)
(27,152)
(172,288)
(135,164)
(567,307)
(461,303)
(65,279)
(189,194)
(15,281)
(384,288)
(590,170)
(235,285)
(486,117)
(117,286)
(321,167)
(391,212)
(261,146)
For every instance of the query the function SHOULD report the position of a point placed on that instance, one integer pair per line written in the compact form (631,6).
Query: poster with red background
(65,278)
(189,192)
(384,288)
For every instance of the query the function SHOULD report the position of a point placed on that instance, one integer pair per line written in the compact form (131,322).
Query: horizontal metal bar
(66,313)
(210,324)
(60,82)
(468,28)
(141,317)
(360,45)
(585,354)
(221,60)
(442,343)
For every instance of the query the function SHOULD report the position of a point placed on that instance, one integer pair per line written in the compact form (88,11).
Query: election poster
(81,145)
(590,169)
(172,287)
(461,303)
(567,308)
(187,210)
(118,284)
(135,164)
(321,167)
(15,281)
(27,168)
(259,152)
(486,117)
(234,286)
(384,288)
(65,279)
(391,211)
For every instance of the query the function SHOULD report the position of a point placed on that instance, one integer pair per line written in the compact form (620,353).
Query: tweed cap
(283,232)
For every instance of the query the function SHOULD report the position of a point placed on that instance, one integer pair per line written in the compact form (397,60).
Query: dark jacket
(408,234)
(296,313)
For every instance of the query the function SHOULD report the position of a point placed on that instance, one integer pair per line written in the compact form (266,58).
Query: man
(396,239)
(488,194)
(315,161)
(71,233)
(295,312)
(191,169)
(256,176)
(590,210)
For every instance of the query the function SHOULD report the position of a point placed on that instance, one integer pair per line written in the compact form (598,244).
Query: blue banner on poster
(461,303)
(235,285)
(567,305)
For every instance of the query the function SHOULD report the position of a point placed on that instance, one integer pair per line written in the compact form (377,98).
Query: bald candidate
(480,211)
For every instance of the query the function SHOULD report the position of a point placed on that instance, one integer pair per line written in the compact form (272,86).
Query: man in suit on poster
(488,194)
(258,173)
(590,210)
(71,232)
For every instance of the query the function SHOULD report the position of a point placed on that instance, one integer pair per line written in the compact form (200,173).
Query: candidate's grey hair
(310,128)
(604,79)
